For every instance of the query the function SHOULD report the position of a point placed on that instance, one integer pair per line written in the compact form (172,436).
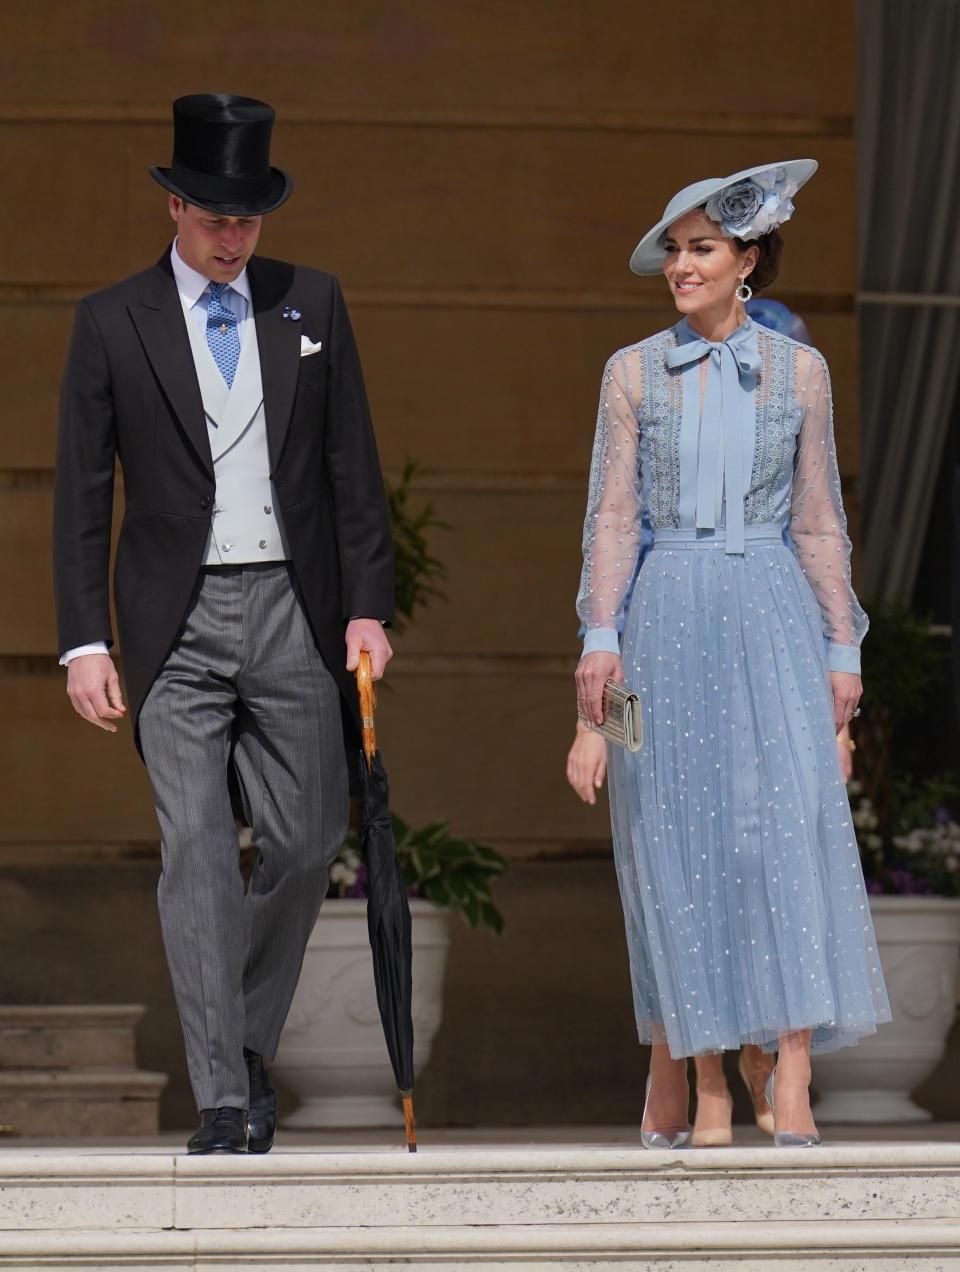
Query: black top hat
(221,155)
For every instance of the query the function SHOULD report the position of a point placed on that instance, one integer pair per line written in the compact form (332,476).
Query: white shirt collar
(191,285)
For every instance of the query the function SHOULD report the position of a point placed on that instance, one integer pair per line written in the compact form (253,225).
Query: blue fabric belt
(769,532)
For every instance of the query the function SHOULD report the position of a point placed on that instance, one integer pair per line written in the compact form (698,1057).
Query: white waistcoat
(246,522)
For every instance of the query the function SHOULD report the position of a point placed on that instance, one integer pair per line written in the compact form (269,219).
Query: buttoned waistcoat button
(206,501)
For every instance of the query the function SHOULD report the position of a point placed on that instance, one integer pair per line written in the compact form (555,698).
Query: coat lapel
(159,320)
(278,338)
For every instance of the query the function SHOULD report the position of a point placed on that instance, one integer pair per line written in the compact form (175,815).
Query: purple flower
(906,883)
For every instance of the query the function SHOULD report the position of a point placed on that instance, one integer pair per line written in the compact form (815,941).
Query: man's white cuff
(98,647)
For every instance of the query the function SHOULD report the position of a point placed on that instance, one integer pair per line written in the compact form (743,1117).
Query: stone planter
(918,939)
(332,1055)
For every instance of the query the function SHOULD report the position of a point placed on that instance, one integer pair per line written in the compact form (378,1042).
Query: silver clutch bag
(622,722)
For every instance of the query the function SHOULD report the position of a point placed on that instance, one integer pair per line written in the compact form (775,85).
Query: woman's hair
(768,263)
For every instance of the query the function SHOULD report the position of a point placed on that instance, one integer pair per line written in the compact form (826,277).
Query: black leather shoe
(220,1131)
(262,1119)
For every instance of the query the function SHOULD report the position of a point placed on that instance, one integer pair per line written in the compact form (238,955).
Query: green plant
(918,802)
(451,872)
(902,667)
(924,858)
(901,813)
(417,572)
(901,660)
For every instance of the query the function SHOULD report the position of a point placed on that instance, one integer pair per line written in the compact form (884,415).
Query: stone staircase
(854,1208)
(71,1071)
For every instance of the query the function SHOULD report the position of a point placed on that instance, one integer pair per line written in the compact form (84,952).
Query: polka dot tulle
(745,907)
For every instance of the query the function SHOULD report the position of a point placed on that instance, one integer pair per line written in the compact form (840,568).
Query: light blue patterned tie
(222,334)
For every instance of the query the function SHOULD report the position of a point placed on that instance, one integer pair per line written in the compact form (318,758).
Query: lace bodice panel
(793,477)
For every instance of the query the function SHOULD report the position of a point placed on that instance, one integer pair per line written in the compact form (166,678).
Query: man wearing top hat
(254,562)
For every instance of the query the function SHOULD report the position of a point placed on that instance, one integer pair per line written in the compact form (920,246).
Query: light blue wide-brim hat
(649,254)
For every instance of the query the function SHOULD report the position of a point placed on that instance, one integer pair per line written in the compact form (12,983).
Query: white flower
(914,841)
(864,818)
(342,874)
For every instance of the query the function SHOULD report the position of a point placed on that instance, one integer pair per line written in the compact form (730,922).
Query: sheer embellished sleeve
(612,527)
(818,526)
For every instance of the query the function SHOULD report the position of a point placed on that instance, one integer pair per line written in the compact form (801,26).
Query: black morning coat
(130,392)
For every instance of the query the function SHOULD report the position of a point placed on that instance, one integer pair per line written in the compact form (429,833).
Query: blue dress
(743,896)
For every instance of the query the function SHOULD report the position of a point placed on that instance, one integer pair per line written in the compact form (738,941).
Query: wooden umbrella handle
(367,703)
(410,1124)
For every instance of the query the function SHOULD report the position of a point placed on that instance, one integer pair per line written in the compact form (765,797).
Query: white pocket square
(307,346)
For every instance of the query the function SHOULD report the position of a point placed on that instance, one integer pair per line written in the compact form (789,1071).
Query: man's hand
(368,634)
(593,671)
(93,687)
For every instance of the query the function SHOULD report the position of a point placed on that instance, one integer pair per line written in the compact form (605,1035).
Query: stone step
(850,1208)
(80,1102)
(73,1037)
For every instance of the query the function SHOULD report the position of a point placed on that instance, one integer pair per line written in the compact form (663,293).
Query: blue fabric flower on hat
(747,209)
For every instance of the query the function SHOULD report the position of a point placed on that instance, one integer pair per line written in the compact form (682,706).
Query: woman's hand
(587,763)
(593,671)
(845,749)
(847,689)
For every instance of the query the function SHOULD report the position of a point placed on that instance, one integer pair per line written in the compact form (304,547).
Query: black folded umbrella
(388,910)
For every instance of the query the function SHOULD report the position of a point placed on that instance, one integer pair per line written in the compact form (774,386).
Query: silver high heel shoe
(788,1139)
(661,1139)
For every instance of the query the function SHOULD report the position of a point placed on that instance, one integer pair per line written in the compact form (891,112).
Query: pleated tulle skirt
(745,907)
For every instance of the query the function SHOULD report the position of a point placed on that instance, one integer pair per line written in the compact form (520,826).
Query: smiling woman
(738,869)
(700,262)
(704,269)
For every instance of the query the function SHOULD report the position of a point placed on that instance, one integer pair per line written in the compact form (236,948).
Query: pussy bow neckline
(718,439)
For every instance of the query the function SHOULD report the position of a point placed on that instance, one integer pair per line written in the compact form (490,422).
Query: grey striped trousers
(244,680)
